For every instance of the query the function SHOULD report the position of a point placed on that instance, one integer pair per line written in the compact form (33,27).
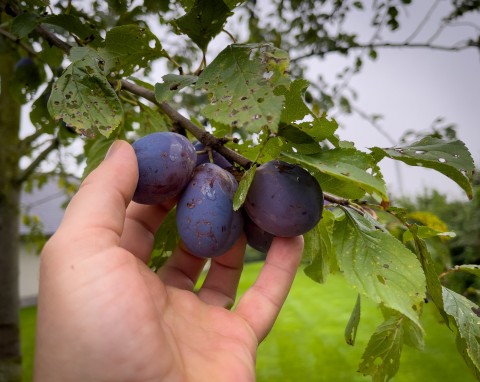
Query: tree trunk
(10,355)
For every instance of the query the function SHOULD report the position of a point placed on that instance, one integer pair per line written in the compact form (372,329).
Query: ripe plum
(165,163)
(206,222)
(256,237)
(284,199)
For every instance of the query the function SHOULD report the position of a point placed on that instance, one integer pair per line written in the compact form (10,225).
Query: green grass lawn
(307,342)
(27,323)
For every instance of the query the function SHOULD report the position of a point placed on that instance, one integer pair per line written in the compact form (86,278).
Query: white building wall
(29,272)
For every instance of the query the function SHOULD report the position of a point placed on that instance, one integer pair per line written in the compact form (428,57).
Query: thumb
(97,211)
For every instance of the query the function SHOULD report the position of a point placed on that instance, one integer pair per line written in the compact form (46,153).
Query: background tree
(83,67)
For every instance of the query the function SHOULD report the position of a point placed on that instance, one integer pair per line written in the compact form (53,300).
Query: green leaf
(39,115)
(297,113)
(349,166)
(413,335)
(166,240)
(151,120)
(129,48)
(79,52)
(450,158)
(84,99)
(297,141)
(318,251)
(187,5)
(466,316)
(171,85)
(434,288)
(381,358)
(233,3)
(353,322)
(204,21)
(83,30)
(155,6)
(95,150)
(379,265)
(23,24)
(243,186)
(468,268)
(52,55)
(426,232)
(241,82)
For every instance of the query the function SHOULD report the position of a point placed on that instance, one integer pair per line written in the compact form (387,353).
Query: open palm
(105,316)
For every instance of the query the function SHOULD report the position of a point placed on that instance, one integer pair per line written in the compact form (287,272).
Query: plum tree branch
(380,45)
(26,143)
(36,162)
(203,136)
(16,40)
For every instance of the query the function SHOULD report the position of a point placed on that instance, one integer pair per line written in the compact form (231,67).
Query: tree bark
(10,354)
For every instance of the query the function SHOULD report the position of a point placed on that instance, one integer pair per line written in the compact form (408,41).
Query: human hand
(103,315)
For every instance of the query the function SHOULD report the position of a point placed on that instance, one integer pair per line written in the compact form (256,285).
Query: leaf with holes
(466,315)
(129,48)
(451,158)
(203,21)
(378,265)
(345,172)
(473,269)
(171,85)
(240,83)
(84,99)
(381,358)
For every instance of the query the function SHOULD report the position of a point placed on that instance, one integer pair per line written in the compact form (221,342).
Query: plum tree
(284,199)
(206,221)
(94,68)
(166,162)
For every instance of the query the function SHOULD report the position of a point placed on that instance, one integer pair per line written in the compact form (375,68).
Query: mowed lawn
(307,341)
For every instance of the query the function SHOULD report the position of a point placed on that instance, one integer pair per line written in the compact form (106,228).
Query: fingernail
(113,148)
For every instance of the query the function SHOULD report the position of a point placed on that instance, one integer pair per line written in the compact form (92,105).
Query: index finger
(261,304)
